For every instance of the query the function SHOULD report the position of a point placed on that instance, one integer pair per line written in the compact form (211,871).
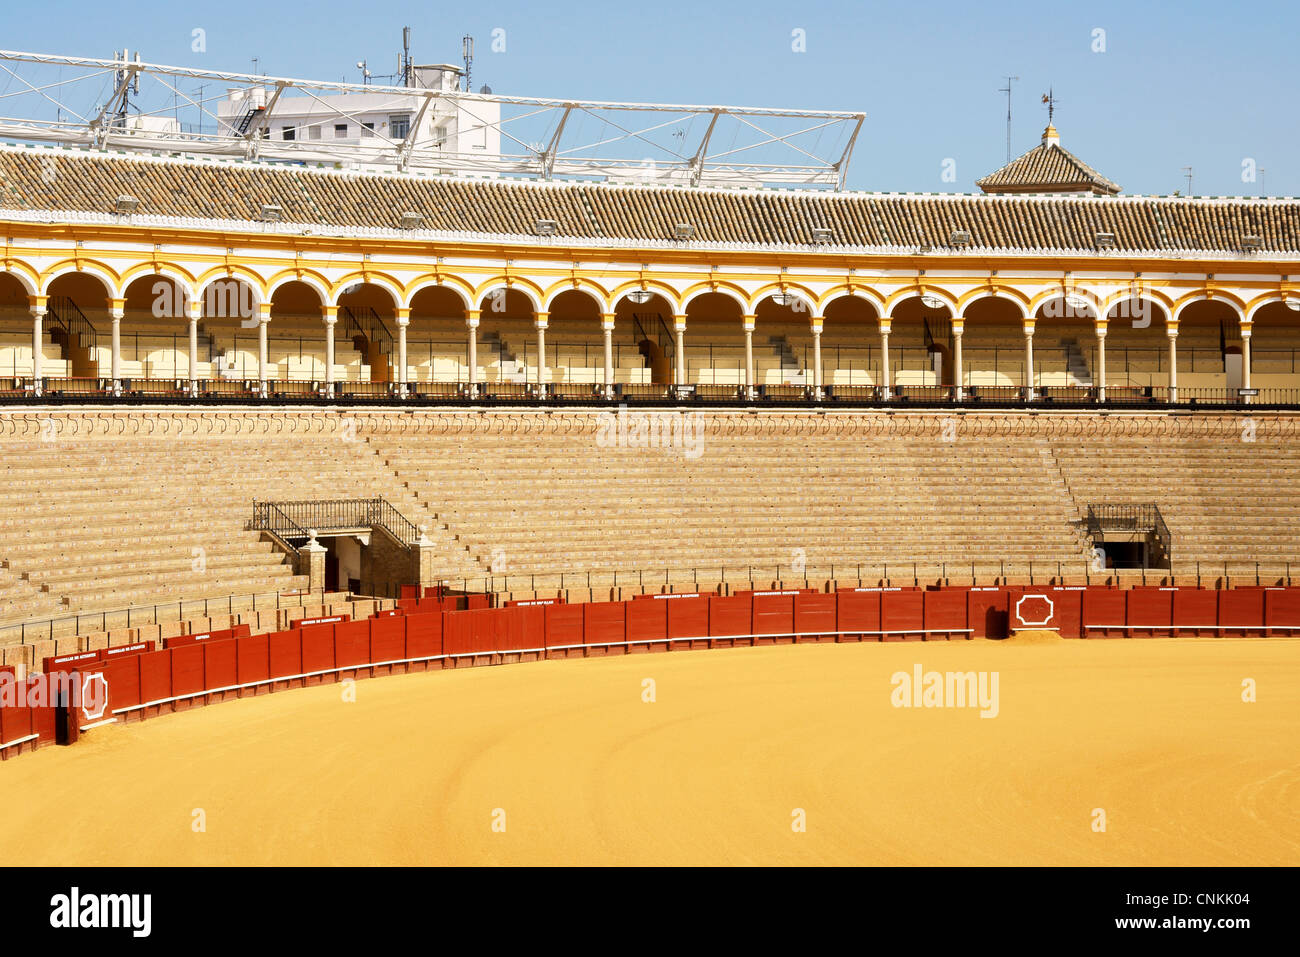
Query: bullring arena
(400,517)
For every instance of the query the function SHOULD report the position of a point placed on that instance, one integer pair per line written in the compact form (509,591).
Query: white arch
(321,289)
(556,294)
(743,306)
(23,279)
(1176,313)
(88,269)
(434,284)
(382,282)
(519,288)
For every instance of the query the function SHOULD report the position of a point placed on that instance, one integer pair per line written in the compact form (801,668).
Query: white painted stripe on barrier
(96,724)
(1202,627)
(18,741)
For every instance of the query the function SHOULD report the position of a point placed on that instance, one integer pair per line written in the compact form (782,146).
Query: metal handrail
(293,521)
(1132,518)
(73,321)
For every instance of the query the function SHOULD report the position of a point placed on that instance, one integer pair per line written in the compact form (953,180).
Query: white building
(370,125)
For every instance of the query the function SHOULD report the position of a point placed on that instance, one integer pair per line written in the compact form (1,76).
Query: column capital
(38,302)
(748,322)
(330,313)
(116,313)
(958,325)
(472,317)
(885,323)
(816,325)
(1246,325)
(264,311)
(679,322)
(117,304)
(607,321)
(195,309)
(403,315)
(1029,327)
(541,319)
(1171,328)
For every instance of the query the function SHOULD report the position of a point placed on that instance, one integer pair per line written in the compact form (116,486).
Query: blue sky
(1178,84)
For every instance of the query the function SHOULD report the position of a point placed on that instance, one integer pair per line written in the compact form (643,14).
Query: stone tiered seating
(1230,501)
(104,523)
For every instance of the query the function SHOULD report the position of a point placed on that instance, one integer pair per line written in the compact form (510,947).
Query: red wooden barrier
(604,624)
(187,670)
(155,678)
(986,612)
(647,622)
(220,666)
(424,638)
(688,622)
(1104,611)
(773,616)
(317,645)
(388,644)
(1195,612)
(352,646)
(814,616)
(902,614)
(1241,612)
(253,661)
(564,626)
(1282,611)
(1148,612)
(944,614)
(730,617)
(285,655)
(857,611)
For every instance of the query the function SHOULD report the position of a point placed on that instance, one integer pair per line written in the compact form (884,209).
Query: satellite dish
(485,89)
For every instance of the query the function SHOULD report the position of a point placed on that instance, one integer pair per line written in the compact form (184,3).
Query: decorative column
(116,310)
(403,320)
(1099,326)
(749,356)
(195,309)
(885,323)
(38,307)
(542,319)
(679,327)
(958,327)
(331,319)
(1029,360)
(263,368)
(607,326)
(1171,329)
(471,323)
(817,357)
(1245,359)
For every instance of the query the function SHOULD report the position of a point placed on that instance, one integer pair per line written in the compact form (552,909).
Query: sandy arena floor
(1154,732)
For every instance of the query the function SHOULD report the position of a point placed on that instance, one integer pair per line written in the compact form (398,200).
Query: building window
(287,133)
(399,126)
(340,131)
(313,132)
(367,129)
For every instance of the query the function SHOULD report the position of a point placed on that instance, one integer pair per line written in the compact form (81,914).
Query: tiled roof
(1047,168)
(82,182)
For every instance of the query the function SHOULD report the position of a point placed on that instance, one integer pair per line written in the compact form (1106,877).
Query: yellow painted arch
(855,291)
(66,267)
(461,287)
(518,284)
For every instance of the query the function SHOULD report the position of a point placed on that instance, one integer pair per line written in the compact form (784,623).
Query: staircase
(508,364)
(74,334)
(371,338)
(247,121)
(791,374)
(1076,366)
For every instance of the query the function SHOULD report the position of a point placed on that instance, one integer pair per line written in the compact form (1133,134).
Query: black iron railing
(365,321)
(293,522)
(1138,519)
(69,317)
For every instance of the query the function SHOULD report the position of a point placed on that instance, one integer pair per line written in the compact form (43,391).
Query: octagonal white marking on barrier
(1051,611)
(88,695)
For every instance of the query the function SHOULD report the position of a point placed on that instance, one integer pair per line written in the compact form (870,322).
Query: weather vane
(1050,100)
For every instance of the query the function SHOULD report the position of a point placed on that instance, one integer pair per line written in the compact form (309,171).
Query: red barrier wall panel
(388,639)
(858,612)
(43,718)
(457,633)
(772,615)
(318,648)
(352,644)
(1069,611)
(944,613)
(814,616)
(988,612)
(729,616)
(253,659)
(187,670)
(155,676)
(1241,612)
(285,653)
(477,601)
(902,612)
(1195,611)
(123,676)
(564,625)
(688,618)
(604,622)
(15,723)
(1032,608)
(647,620)
(1149,612)
(424,634)
(220,664)
(1282,607)
(533,619)
(409,591)
(1104,612)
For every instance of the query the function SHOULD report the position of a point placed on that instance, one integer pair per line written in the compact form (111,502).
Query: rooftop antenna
(365,72)
(1050,99)
(1187,171)
(467,50)
(1007,90)
(1262,171)
(406,57)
